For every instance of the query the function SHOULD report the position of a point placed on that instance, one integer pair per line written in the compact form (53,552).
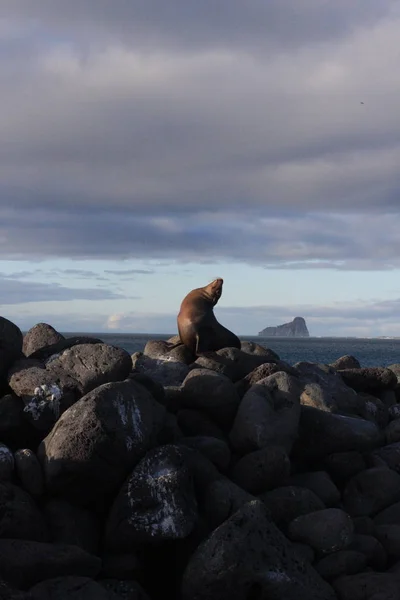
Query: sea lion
(198,328)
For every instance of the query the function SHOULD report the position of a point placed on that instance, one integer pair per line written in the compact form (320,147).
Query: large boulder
(289,502)
(268,415)
(72,525)
(262,470)
(327,531)
(324,389)
(214,393)
(96,442)
(167,371)
(70,588)
(369,379)
(92,365)
(164,350)
(20,518)
(25,563)
(322,433)
(47,352)
(45,394)
(370,491)
(11,339)
(40,336)
(156,503)
(248,557)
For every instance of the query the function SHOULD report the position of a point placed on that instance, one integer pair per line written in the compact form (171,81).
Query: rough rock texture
(25,563)
(96,442)
(40,336)
(157,502)
(235,476)
(326,531)
(92,365)
(268,414)
(247,556)
(296,328)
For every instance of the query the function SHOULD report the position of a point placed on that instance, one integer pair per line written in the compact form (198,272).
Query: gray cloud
(21,292)
(129,272)
(199,131)
(341,242)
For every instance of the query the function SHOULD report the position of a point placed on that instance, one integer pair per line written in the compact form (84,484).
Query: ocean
(371,352)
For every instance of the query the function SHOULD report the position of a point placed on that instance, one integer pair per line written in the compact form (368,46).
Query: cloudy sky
(148,147)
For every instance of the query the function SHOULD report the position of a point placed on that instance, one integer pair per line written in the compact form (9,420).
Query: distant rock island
(296,328)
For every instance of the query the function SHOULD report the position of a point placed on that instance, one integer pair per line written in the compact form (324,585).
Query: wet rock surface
(232,475)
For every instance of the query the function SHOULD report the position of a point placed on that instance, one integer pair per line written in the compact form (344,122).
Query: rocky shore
(235,476)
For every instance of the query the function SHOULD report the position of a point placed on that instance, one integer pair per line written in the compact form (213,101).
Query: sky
(148,147)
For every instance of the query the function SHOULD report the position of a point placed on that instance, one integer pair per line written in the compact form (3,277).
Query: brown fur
(198,328)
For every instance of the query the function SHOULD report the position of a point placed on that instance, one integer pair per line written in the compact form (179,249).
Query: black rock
(124,590)
(46,395)
(96,443)
(367,586)
(370,491)
(245,362)
(346,362)
(72,525)
(268,415)
(262,470)
(167,372)
(222,499)
(261,372)
(13,428)
(25,563)
(170,433)
(323,433)
(324,389)
(372,549)
(364,525)
(10,593)
(342,466)
(392,431)
(29,472)
(248,557)
(344,562)
(156,503)
(70,588)
(288,502)
(369,379)
(54,349)
(161,349)
(92,365)
(386,456)
(154,387)
(320,483)
(389,537)
(196,422)
(327,531)
(121,566)
(20,518)
(6,463)
(40,336)
(218,364)
(10,345)
(259,350)
(389,516)
(213,448)
(215,394)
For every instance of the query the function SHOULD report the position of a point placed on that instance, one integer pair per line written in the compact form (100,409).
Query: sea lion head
(214,290)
